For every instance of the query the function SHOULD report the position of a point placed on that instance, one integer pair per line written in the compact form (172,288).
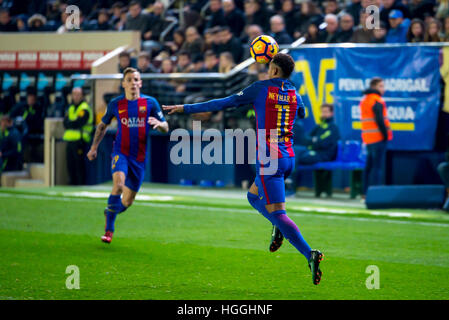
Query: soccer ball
(263,49)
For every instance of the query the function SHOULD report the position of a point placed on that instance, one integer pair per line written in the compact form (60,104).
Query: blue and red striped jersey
(132,117)
(276,104)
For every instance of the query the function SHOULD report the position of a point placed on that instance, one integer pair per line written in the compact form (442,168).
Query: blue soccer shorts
(134,170)
(272,187)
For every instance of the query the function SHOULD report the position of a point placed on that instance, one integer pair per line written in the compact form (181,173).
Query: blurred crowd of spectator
(229,25)
(220,31)
(214,35)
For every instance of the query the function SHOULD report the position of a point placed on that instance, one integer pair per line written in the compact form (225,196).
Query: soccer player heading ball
(135,114)
(276,104)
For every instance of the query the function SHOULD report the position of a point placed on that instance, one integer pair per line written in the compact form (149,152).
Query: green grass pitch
(188,243)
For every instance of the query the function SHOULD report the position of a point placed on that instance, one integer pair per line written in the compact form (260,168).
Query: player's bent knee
(127,202)
(252,199)
(128,197)
(118,188)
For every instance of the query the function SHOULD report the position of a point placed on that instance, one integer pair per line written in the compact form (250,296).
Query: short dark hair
(134,2)
(328,105)
(31,91)
(129,70)
(285,62)
(210,53)
(144,54)
(375,81)
(103,11)
(197,58)
(117,4)
(124,54)
(183,53)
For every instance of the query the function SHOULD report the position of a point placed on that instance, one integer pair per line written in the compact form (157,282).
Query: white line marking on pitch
(105,195)
(342,211)
(193,207)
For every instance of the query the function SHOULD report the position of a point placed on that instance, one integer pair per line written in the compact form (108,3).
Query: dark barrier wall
(403,167)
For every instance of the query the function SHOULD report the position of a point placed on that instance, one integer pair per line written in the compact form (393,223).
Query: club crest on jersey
(133,122)
(142,109)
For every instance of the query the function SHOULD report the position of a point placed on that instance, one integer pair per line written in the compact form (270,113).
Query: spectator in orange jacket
(376,132)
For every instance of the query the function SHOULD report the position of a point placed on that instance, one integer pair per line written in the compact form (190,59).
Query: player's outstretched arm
(208,106)
(178,108)
(244,97)
(98,136)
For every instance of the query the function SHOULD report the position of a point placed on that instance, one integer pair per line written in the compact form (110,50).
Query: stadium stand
(201,28)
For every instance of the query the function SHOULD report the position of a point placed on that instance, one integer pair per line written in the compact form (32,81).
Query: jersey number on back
(283,112)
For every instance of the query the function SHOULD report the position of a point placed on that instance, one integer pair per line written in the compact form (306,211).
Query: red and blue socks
(286,225)
(115,206)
